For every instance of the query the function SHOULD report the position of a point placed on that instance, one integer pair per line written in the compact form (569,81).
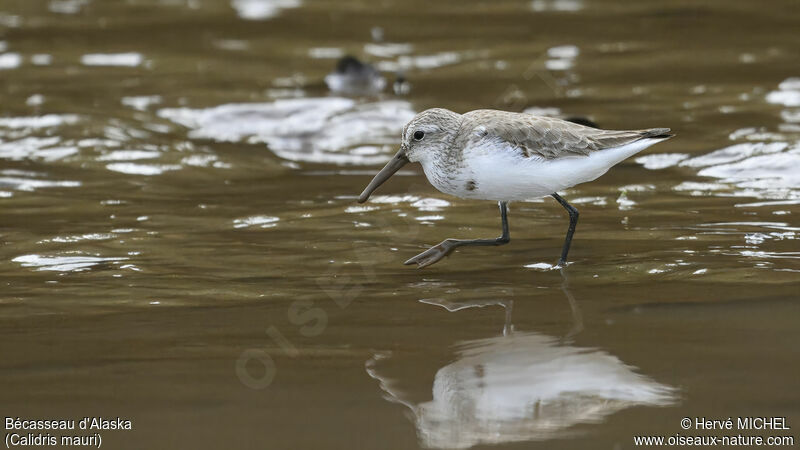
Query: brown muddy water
(181,246)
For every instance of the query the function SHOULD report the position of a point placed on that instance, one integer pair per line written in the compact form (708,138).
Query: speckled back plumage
(542,137)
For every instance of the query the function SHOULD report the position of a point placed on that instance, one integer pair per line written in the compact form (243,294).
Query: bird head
(425,139)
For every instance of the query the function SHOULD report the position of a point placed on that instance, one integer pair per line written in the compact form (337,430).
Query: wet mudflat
(182,247)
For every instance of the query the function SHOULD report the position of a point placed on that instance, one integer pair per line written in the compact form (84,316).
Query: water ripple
(64,263)
(321,130)
(262,9)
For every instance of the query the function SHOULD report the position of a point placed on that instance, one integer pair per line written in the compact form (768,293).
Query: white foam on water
(325,52)
(130,59)
(770,203)
(693,186)
(10,61)
(262,9)
(360,209)
(597,201)
(429,218)
(624,203)
(760,172)
(557,5)
(764,170)
(45,121)
(141,102)
(35,100)
(558,64)
(561,57)
(563,51)
(321,130)
(67,6)
(393,199)
(430,204)
(129,155)
(31,181)
(540,266)
(142,169)
(788,93)
(78,238)
(256,221)
(33,148)
(791,115)
(432,61)
(661,160)
(205,160)
(387,50)
(41,59)
(232,44)
(64,263)
(733,153)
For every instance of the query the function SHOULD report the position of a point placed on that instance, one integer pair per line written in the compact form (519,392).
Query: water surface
(182,246)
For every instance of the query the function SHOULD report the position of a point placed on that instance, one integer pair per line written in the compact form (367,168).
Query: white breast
(503,173)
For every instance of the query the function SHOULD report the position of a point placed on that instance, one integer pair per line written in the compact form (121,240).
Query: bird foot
(561,264)
(432,255)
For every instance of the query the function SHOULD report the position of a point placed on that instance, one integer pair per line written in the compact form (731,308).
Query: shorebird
(352,76)
(504,156)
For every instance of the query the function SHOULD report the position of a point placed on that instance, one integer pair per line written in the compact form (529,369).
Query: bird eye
(418,135)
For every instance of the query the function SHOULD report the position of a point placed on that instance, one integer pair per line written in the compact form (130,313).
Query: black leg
(573,221)
(444,248)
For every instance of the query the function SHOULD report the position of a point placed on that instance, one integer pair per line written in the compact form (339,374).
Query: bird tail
(657,133)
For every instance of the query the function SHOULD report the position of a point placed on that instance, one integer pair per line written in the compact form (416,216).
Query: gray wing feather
(544,137)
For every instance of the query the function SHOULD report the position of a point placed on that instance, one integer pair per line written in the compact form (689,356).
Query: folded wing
(543,137)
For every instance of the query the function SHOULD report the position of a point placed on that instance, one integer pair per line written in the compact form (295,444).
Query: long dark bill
(398,160)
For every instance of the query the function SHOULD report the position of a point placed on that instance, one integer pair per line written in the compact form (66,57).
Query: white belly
(500,174)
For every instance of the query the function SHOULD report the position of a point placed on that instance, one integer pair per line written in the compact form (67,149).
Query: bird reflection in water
(521,386)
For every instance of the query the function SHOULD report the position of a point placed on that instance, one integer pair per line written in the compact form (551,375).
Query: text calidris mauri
(505,156)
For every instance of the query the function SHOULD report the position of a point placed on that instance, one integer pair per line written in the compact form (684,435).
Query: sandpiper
(505,156)
(352,76)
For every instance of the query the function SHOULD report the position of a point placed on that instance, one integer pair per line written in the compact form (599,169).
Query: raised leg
(444,248)
(573,221)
